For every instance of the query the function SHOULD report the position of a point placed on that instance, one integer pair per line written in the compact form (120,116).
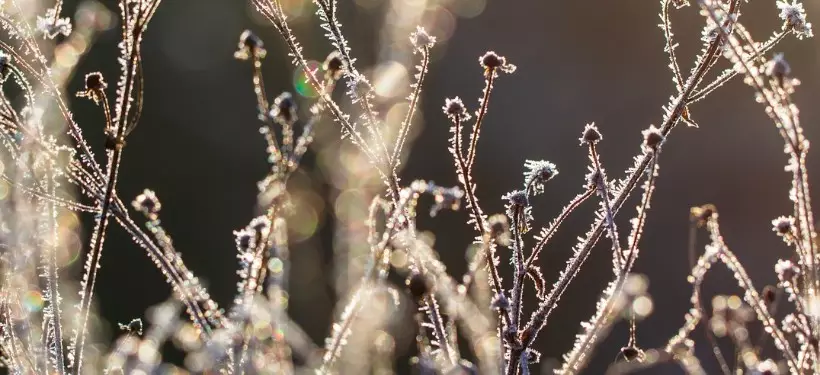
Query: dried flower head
(492,62)
(794,18)
(244,239)
(94,87)
(786,271)
(652,138)
(517,198)
(454,108)
(783,225)
(519,209)
(283,109)
(250,46)
(500,302)
(422,41)
(334,66)
(591,135)
(147,203)
(778,68)
(702,214)
(537,174)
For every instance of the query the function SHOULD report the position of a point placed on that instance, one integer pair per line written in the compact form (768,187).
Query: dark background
(198,147)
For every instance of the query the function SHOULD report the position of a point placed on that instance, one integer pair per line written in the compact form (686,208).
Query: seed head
(334,65)
(703,213)
(422,41)
(652,138)
(783,225)
(95,81)
(786,271)
(147,203)
(284,109)
(778,68)
(537,173)
(94,87)
(500,303)
(250,46)
(794,18)
(454,108)
(517,198)
(591,135)
(492,62)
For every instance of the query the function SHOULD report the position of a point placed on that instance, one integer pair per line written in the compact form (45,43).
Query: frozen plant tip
(652,138)
(492,62)
(95,86)
(334,66)
(250,46)
(590,135)
(147,203)
(537,173)
(454,109)
(284,108)
(794,18)
(421,40)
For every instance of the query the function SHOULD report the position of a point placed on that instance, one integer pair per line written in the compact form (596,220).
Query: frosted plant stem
(97,239)
(482,112)
(673,114)
(408,119)
(53,277)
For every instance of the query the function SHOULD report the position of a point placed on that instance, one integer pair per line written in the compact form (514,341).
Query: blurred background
(198,146)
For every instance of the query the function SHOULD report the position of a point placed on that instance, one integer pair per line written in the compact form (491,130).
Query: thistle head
(250,46)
